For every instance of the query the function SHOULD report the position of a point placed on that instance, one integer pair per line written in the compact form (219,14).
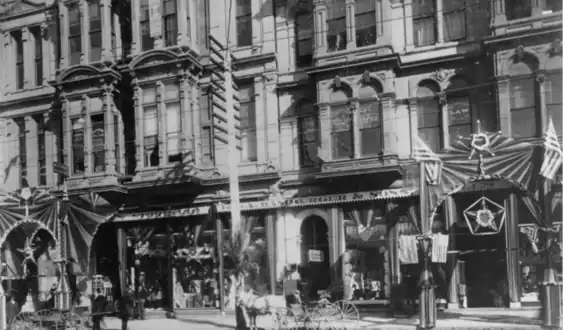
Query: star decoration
(484,217)
(28,252)
(480,143)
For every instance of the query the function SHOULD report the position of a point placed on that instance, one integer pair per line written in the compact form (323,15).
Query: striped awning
(275,203)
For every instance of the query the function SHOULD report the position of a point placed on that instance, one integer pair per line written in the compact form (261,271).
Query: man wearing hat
(13,307)
(141,296)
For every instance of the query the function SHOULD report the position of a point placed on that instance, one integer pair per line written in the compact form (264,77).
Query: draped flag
(432,163)
(552,157)
(531,233)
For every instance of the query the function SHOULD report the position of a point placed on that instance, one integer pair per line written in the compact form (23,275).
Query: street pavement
(462,319)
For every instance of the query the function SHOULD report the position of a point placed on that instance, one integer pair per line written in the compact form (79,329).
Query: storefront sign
(315,256)
(274,204)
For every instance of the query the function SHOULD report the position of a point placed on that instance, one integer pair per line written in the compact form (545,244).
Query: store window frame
(370,96)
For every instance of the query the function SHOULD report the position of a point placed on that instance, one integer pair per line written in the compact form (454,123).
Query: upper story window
(18,40)
(459,110)
(553,88)
(38,55)
(365,23)
(454,12)
(341,125)
(98,143)
(517,9)
(22,146)
(95,30)
(150,118)
(304,32)
(248,122)
(41,152)
(429,115)
(145,29)
(424,22)
(336,25)
(77,145)
(173,122)
(308,134)
(170,18)
(244,22)
(371,134)
(206,116)
(75,34)
(523,112)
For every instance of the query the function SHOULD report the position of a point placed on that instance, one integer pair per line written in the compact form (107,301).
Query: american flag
(552,156)
(433,164)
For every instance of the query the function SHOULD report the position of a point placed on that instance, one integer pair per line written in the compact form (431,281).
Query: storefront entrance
(315,263)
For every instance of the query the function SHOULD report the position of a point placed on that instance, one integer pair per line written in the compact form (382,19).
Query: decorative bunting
(552,157)
(432,163)
(531,233)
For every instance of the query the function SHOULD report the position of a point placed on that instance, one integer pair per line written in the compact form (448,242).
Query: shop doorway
(315,263)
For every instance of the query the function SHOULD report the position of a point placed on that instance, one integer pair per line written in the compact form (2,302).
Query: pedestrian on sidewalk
(98,309)
(126,308)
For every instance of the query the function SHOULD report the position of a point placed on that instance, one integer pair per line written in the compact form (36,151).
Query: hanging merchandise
(484,217)
(440,244)
(408,250)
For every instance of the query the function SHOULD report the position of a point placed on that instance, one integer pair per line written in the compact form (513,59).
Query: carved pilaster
(109,126)
(88,157)
(320,35)
(355,114)
(413,113)
(66,134)
(28,53)
(388,124)
(9,74)
(3,151)
(161,119)
(350,24)
(106,16)
(139,132)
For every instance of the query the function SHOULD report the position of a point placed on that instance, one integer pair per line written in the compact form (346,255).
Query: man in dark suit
(126,308)
(12,309)
(98,309)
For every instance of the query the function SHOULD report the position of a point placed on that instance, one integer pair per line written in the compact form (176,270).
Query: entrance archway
(315,263)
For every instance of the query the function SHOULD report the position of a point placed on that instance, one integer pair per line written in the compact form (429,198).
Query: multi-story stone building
(332,95)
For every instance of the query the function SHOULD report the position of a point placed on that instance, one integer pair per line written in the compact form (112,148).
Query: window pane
(459,111)
(370,114)
(309,154)
(371,140)
(172,91)
(169,7)
(309,129)
(173,122)
(459,131)
(78,145)
(365,29)
(365,6)
(149,94)
(243,7)
(336,36)
(151,122)
(95,46)
(74,15)
(424,31)
(431,136)
(454,25)
(522,93)
(342,145)
(341,119)
(428,114)
(173,146)
(516,9)
(423,7)
(244,31)
(524,122)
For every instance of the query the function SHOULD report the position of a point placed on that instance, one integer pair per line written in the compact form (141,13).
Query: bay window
(370,128)
(341,132)
(517,9)
(308,132)
(22,140)
(248,122)
(17,36)
(150,119)
(95,30)
(75,35)
(523,113)
(336,25)
(173,123)
(553,101)
(77,146)
(365,23)
(429,116)
(145,28)
(304,32)
(244,23)
(454,20)
(170,18)
(41,152)
(98,143)
(424,22)
(38,45)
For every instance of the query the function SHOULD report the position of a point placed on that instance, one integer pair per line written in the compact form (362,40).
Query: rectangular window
(98,143)
(244,23)
(304,31)
(173,123)
(202,20)
(95,31)
(207,144)
(248,122)
(424,22)
(145,27)
(78,146)
(553,88)
(370,128)
(365,23)
(309,132)
(41,152)
(517,9)
(150,126)
(170,18)
(341,133)
(38,43)
(207,130)
(22,141)
(336,25)
(75,35)
(523,111)
(116,141)
(19,59)
(459,117)
(429,123)
(454,20)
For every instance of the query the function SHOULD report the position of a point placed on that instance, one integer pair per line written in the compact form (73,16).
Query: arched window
(341,125)
(370,120)
(429,115)
(308,132)
(524,115)
(459,109)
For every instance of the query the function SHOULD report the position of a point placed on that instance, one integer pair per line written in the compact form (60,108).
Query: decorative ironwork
(484,217)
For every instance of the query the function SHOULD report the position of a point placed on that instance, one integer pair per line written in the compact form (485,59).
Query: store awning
(275,203)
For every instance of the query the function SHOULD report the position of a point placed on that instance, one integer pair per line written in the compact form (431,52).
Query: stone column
(117,31)
(320,27)
(443,108)
(66,134)
(122,145)
(512,256)
(272,145)
(439,22)
(336,242)
(413,121)
(271,246)
(10,73)
(350,24)
(451,219)
(407,19)
(50,45)
(185,129)
(28,60)
(50,149)
(105,10)
(84,30)
(387,121)
(109,136)
(161,119)
(135,27)
(540,78)
(139,132)
(289,149)
(355,113)
(503,101)
(182,10)
(88,159)
(382,14)
(46,52)
(64,31)
(325,148)
(261,128)
(193,120)
(280,243)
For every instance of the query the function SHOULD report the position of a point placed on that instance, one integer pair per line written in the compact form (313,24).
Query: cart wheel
(50,319)
(326,312)
(71,321)
(348,311)
(284,318)
(26,321)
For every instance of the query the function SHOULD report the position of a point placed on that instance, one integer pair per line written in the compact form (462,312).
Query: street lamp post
(427,299)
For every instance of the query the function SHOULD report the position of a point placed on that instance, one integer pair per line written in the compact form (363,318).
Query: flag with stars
(552,156)
(432,163)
